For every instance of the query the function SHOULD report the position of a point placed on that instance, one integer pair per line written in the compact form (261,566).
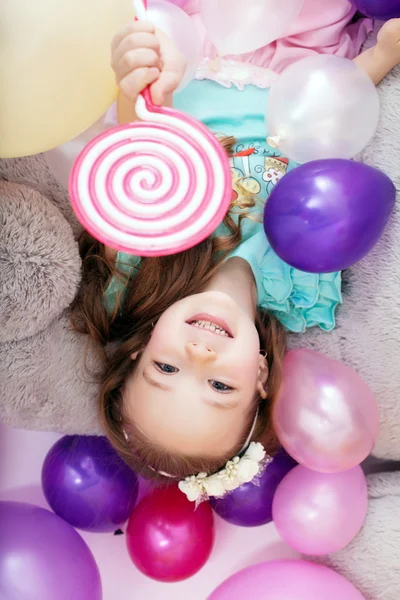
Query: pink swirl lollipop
(154,187)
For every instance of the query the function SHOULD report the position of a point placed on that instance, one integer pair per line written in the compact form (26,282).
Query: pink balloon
(326,417)
(319,513)
(286,580)
(168,540)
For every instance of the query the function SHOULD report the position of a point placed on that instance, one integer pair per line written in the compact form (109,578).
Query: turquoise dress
(299,300)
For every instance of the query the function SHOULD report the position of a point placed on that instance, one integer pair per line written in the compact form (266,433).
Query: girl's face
(197,378)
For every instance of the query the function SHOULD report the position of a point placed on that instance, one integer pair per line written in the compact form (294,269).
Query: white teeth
(210,327)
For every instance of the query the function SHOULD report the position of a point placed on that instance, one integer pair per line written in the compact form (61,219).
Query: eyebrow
(155,383)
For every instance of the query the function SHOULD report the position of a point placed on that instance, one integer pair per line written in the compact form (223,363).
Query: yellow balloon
(55,73)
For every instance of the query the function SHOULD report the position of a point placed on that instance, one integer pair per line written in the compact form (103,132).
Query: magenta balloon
(325,416)
(286,580)
(379,9)
(43,558)
(320,513)
(168,539)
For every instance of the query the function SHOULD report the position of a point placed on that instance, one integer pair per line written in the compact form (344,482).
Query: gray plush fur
(44,384)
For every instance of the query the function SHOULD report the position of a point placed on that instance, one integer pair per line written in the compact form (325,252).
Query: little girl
(200,336)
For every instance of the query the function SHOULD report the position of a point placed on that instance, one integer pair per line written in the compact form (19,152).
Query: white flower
(255,452)
(237,471)
(214,486)
(193,486)
(248,469)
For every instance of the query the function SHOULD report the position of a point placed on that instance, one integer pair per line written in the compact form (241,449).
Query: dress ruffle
(299,300)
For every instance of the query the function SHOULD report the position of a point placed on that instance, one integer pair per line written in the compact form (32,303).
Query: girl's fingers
(134,41)
(135,82)
(167,83)
(134,60)
(134,27)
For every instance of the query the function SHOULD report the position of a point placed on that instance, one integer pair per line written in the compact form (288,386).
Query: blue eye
(218,386)
(164,368)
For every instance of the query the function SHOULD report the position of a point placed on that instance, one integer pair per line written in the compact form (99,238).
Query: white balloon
(177,24)
(239,26)
(322,107)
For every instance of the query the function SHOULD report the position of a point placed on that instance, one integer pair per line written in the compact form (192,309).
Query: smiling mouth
(211,324)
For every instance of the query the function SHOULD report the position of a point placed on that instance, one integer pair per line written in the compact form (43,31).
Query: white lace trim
(228,72)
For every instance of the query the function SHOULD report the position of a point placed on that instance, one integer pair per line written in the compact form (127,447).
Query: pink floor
(21,457)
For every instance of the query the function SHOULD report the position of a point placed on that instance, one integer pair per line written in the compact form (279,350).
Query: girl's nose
(200,352)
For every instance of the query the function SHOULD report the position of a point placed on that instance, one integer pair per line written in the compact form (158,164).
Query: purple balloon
(42,557)
(87,483)
(251,504)
(326,215)
(379,9)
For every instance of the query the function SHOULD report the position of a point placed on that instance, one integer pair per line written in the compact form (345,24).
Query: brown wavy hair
(156,285)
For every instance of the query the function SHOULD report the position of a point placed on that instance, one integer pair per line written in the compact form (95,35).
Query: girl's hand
(143,55)
(388,41)
(379,60)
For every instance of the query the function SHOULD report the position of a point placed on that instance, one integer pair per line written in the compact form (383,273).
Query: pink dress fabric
(322,27)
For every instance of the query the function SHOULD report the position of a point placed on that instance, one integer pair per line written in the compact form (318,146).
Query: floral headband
(236,472)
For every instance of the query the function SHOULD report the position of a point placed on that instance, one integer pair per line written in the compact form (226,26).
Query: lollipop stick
(140,8)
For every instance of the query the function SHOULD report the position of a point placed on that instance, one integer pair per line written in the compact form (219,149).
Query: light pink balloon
(240,26)
(286,580)
(326,417)
(320,513)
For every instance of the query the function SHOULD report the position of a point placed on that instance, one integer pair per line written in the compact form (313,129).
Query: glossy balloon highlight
(320,513)
(327,215)
(168,538)
(325,415)
(322,106)
(87,483)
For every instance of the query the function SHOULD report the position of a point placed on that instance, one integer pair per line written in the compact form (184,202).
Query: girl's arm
(379,60)
(144,56)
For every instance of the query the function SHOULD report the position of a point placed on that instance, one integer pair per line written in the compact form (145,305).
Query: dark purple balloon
(87,483)
(251,505)
(379,9)
(326,215)
(43,558)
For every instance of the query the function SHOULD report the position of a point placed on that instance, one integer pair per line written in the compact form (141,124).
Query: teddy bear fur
(47,371)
